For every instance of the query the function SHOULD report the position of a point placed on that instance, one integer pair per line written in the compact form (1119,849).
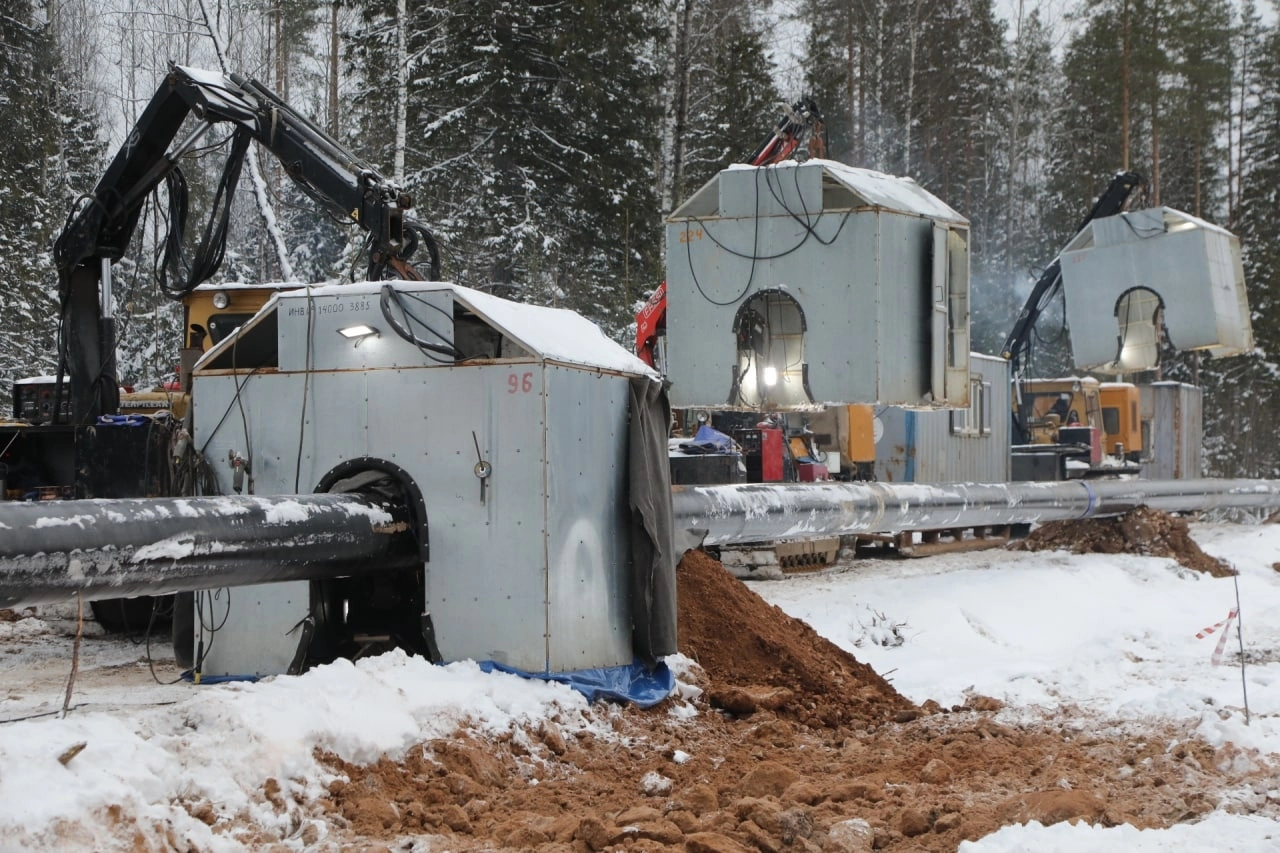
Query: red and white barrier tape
(1222,644)
(1225,625)
(1204,632)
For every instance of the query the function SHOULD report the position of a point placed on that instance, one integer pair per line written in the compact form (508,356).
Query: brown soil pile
(755,655)
(808,763)
(722,784)
(1144,531)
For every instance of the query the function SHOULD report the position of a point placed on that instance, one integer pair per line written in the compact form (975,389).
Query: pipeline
(780,512)
(51,550)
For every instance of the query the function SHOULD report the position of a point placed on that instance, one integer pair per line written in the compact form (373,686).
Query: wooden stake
(75,654)
(1244,687)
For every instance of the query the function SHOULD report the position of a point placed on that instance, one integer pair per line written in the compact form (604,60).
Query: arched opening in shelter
(1139,314)
(770,370)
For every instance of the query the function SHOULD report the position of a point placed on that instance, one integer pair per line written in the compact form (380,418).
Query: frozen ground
(1084,638)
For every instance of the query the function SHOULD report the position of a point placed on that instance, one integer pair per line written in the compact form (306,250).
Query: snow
(554,334)
(1111,635)
(902,195)
(222,742)
(70,521)
(174,548)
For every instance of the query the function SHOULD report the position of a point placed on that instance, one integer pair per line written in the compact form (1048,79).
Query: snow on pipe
(149,546)
(776,512)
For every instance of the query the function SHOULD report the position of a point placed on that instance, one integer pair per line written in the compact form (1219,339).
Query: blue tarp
(123,420)
(638,684)
(709,440)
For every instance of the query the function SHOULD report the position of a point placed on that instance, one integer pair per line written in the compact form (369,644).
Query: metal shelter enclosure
(1173,431)
(510,420)
(798,284)
(1158,272)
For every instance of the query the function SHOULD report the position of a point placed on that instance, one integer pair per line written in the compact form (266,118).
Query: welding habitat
(1170,255)
(800,284)
(506,427)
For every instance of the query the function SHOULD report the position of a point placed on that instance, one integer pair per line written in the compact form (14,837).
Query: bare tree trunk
(1124,88)
(855,100)
(265,210)
(280,51)
(878,99)
(334,60)
(911,90)
(680,105)
(1199,180)
(1155,114)
(1235,135)
(402,89)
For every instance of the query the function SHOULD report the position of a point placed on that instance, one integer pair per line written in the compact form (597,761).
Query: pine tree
(724,97)
(1018,246)
(855,56)
(1240,404)
(1197,107)
(533,130)
(30,133)
(1086,147)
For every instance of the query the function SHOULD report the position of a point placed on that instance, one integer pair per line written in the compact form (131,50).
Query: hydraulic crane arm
(1111,202)
(800,125)
(98,233)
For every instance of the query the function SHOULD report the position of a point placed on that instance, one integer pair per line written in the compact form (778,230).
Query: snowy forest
(543,142)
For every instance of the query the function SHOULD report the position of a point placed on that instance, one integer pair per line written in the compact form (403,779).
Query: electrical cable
(808,222)
(155,606)
(755,256)
(428,349)
(225,414)
(755,246)
(244,418)
(1144,233)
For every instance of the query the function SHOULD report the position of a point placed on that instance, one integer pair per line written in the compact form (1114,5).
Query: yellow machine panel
(1121,419)
(861,434)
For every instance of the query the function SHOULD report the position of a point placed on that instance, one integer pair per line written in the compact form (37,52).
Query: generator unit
(798,284)
(508,430)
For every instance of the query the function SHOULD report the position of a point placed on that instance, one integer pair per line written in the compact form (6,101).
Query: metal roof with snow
(548,334)
(843,188)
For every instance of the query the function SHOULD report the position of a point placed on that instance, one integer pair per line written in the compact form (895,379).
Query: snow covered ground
(1113,636)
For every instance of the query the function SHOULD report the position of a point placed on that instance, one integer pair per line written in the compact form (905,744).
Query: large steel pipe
(778,512)
(49,551)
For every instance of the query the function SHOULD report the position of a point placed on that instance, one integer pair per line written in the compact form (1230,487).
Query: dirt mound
(719,783)
(807,760)
(817,753)
(757,656)
(1144,531)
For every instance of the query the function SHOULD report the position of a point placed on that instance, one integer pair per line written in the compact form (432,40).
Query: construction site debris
(1143,531)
